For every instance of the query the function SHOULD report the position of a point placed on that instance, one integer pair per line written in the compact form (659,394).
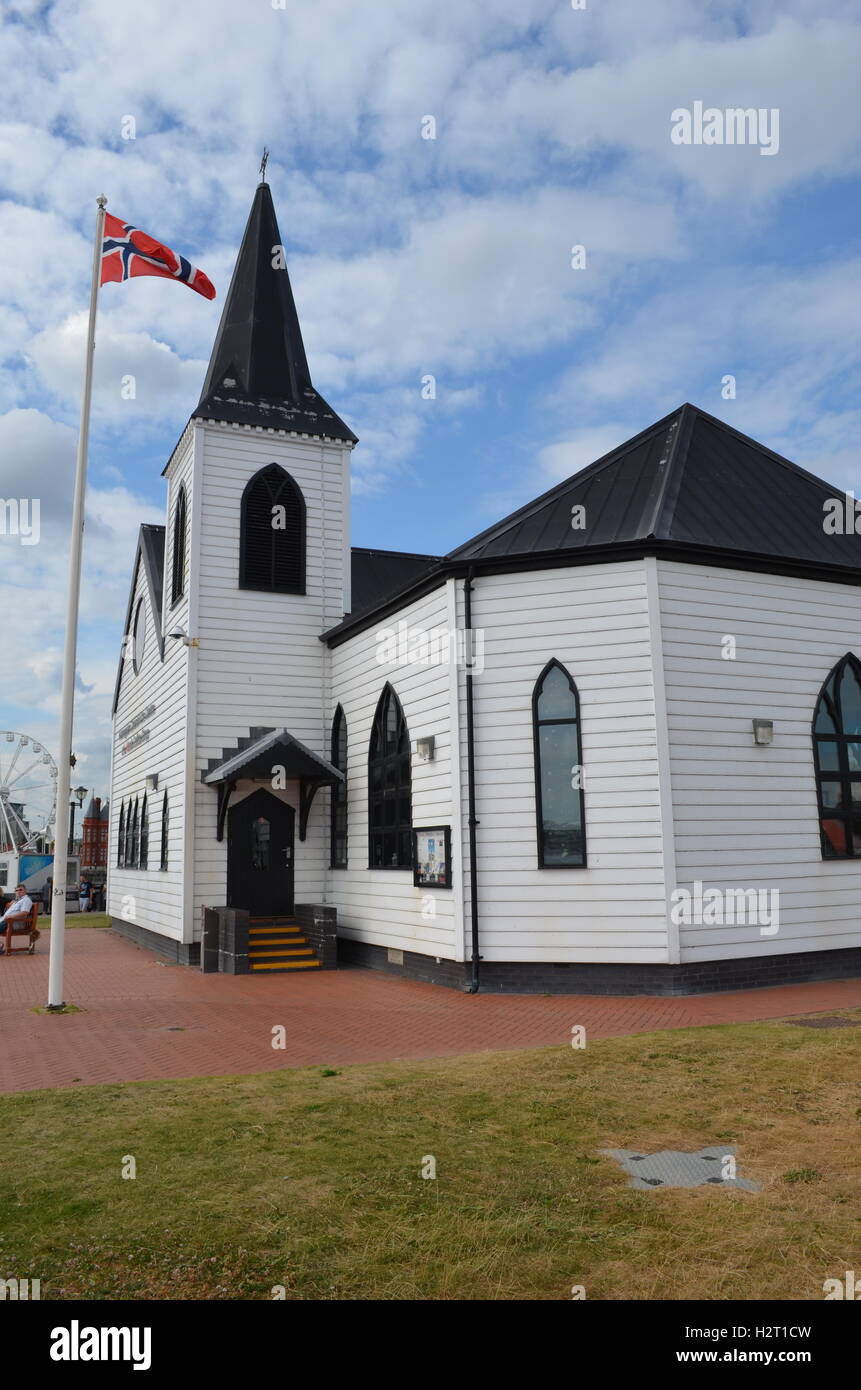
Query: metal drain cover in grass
(825,1022)
(671,1168)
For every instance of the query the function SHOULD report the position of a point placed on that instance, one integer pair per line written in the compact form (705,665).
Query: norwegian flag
(127,251)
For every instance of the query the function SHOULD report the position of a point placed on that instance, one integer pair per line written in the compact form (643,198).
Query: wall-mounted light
(425,748)
(763,731)
(179,634)
(151,782)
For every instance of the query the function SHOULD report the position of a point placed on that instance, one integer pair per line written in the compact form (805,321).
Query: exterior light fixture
(179,634)
(151,782)
(763,732)
(425,749)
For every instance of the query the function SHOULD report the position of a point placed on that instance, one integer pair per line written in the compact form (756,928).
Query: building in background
(94,837)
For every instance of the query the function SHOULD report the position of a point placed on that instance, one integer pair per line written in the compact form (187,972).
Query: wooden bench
(22,926)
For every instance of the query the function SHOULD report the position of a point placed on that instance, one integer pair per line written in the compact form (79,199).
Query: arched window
(389,780)
(837,756)
(338,842)
(135,837)
(164,830)
(177,585)
(121,837)
(127,840)
(558,770)
(144,851)
(272,533)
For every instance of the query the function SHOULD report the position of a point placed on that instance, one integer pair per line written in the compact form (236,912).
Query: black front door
(260,855)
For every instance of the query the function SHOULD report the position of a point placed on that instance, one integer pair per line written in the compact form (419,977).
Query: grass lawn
(312,1178)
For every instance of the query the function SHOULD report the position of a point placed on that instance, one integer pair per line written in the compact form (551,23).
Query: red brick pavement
(131,1002)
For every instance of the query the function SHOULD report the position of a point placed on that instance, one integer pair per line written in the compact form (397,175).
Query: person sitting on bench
(20,907)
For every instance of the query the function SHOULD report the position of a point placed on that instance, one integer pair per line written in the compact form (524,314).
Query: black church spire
(258,373)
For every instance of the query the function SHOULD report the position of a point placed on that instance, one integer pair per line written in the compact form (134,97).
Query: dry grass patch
(313,1181)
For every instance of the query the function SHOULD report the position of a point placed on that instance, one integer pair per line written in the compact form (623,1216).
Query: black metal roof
(690,479)
(258,373)
(376,574)
(256,760)
(688,488)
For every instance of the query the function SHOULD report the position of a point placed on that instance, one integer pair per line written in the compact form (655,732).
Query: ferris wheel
(28,792)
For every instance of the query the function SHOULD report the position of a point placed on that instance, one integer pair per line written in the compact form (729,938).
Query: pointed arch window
(837,758)
(389,787)
(127,839)
(177,584)
(121,837)
(165,822)
(338,843)
(135,851)
(272,533)
(558,770)
(144,849)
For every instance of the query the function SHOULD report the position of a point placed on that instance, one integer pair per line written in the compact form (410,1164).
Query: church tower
(252,566)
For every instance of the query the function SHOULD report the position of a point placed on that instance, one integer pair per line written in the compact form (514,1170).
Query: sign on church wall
(432,857)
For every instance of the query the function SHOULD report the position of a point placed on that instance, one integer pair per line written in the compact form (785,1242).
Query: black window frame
(127,840)
(338,818)
(165,828)
(177,578)
(135,854)
(845,775)
(287,489)
(538,724)
(121,838)
(392,759)
(143,851)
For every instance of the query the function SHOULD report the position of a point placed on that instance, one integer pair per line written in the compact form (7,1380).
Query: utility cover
(672,1168)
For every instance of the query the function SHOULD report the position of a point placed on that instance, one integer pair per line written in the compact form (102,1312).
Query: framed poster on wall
(432,856)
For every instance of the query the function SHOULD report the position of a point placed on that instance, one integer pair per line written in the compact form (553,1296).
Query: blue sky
(410,257)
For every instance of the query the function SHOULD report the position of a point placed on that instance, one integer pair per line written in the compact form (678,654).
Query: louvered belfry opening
(272,546)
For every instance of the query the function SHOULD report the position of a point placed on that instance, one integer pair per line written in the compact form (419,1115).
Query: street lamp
(80,793)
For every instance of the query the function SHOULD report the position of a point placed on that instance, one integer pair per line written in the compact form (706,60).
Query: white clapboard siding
(382,906)
(260,661)
(152,897)
(744,816)
(595,621)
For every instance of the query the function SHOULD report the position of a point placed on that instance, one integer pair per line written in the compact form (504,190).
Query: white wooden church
(612,744)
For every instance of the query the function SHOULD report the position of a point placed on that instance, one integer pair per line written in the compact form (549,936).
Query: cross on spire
(263,163)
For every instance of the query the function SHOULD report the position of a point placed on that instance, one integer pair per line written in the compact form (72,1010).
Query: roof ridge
(668,482)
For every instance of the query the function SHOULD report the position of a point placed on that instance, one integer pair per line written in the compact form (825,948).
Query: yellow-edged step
(277,943)
(285,965)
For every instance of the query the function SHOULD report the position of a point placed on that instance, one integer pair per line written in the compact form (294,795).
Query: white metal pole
(67,703)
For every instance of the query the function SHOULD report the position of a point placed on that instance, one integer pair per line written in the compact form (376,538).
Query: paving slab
(142,1019)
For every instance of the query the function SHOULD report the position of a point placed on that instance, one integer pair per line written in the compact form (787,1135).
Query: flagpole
(67,701)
